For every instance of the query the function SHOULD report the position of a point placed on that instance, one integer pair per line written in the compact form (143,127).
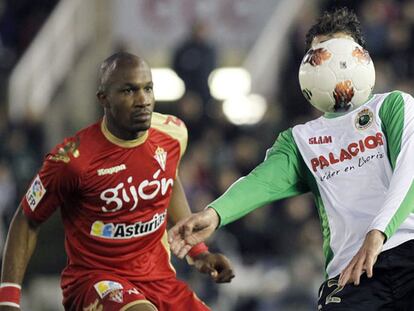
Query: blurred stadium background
(49,56)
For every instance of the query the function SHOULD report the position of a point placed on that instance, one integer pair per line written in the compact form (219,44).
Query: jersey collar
(121,142)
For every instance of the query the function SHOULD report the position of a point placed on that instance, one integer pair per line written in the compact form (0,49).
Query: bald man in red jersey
(116,184)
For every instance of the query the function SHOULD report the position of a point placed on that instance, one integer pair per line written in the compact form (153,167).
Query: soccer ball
(337,75)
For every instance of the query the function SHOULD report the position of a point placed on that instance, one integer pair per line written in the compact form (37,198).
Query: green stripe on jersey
(391,114)
(393,122)
(404,210)
(326,232)
(324,221)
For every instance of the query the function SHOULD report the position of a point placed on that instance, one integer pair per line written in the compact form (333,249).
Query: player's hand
(190,231)
(364,260)
(216,265)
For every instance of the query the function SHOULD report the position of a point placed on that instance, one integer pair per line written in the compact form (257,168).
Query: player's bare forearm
(20,244)
(179,211)
(216,265)
(178,208)
(192,230)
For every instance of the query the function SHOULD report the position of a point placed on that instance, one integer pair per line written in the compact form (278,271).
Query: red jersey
(113,195)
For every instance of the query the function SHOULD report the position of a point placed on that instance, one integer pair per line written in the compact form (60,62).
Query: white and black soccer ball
(337,75)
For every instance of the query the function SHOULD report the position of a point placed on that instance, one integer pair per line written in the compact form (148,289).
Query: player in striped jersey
(116,184)
(359,166)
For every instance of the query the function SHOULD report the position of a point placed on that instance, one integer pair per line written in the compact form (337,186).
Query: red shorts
(112,293)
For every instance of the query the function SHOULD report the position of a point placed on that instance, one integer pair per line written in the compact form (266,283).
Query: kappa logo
(111,170)
(161,157)
(35,193)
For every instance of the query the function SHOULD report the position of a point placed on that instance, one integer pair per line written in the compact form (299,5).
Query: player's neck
(115,134)
(333,115)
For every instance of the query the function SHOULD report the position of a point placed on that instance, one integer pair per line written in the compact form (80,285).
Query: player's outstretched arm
(20,244)
(192,230)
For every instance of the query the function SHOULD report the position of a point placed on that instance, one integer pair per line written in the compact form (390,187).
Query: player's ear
(102,98)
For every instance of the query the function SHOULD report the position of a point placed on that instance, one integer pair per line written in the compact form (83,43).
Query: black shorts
(390,289)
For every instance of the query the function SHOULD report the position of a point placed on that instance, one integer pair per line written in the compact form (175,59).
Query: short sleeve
(56,180)
(172,126)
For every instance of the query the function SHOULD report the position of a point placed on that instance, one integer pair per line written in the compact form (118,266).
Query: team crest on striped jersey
(364,119)
(161,157)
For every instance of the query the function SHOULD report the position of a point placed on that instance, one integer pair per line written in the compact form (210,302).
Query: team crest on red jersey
(161,157)
(69,148)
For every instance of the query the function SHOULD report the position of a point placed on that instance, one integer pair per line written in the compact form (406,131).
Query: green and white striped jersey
(359,166)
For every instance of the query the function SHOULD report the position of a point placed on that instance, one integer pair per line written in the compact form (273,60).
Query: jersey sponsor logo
(364,119)
(161,157)
(35,193)
(127,231)
(111,170)
(348,153)
(104,288)
(115,198)
(320,140)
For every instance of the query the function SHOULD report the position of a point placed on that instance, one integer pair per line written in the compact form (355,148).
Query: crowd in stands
(21,147)
(276,249)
